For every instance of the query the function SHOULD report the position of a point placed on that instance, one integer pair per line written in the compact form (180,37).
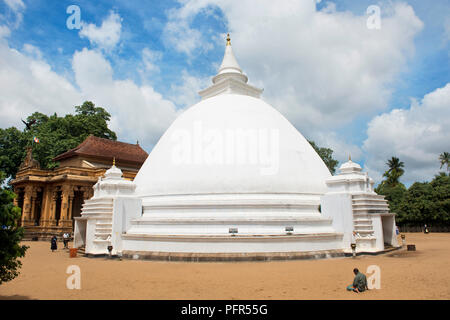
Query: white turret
(350,179)
(102,217)
(357,210)
(113,184)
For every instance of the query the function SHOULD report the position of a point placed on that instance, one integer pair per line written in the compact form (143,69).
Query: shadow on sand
(15,297)
(403,254)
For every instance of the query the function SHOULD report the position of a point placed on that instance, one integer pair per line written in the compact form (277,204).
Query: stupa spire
(230,78)
(229,62)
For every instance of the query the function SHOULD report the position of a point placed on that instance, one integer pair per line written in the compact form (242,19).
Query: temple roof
(106,149)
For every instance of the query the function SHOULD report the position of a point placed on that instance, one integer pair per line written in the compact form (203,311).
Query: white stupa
(230,178)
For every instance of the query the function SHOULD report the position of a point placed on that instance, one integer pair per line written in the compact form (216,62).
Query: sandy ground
(424,274)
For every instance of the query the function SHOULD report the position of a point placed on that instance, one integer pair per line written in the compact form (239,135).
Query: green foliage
(422,203)
(394,194)
(10,236)
(56,135)
(444,158)
(427,202)
(12,150)
(326,155)
(394,172)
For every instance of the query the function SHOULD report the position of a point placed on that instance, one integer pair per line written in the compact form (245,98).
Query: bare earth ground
(424,274)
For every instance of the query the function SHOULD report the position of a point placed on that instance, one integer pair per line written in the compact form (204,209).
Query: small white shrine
(231,178)
(360,214)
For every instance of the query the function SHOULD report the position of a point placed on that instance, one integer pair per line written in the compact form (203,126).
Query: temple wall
(378,231)
(125,210)
(338,206)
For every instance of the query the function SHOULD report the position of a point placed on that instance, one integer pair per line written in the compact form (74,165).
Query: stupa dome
(292,165)
(232,142)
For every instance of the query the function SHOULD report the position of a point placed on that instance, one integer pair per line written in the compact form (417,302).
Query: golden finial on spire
(114,161)
(349,157)
(228,40)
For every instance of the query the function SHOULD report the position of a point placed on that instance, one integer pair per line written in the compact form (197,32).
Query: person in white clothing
(65,239)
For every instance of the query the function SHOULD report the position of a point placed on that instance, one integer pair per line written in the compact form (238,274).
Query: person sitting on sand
(359,283)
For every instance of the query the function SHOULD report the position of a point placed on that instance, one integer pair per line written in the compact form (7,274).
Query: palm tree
(395,171)
(444,159)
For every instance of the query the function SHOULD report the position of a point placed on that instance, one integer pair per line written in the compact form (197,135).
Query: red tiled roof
(106,149)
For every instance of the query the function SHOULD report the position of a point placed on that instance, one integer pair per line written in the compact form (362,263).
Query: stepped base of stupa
(231,256)
(231,224)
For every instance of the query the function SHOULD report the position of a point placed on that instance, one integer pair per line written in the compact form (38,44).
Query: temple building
(232,179)
(51,199)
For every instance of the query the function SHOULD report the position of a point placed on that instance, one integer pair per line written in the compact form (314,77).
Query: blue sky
(162,52)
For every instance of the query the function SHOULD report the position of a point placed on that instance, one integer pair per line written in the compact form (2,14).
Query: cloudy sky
(366,78)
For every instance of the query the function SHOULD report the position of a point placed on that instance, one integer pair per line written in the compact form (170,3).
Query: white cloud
(320,69)
(107,35)
(447,30)
(28,84)
(416,136)
(186,94)
(32,51)
(150,58)
(4,32)
(138,112)
(342,149)
(178,34)
(17,7)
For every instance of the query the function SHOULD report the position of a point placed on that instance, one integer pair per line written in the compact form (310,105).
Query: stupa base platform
(236,256)
(231,248)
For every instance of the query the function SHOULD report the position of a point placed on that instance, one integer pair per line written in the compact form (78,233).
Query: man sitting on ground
(359,283)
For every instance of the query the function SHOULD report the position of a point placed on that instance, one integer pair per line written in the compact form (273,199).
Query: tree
(427,203)
(393,194)
(393,190)
(326,155)
(10,235)
(444,159)
(56,135)
(394,172)
(12,150)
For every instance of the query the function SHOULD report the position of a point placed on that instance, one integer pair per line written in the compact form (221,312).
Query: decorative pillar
(26,211)
(85,191)
(52,218)
(33,205)
(46,206)
(71,196)
(16,198)
(65,221)
(39,206)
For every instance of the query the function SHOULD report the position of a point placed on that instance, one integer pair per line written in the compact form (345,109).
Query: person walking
(54,245)
(66,240)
